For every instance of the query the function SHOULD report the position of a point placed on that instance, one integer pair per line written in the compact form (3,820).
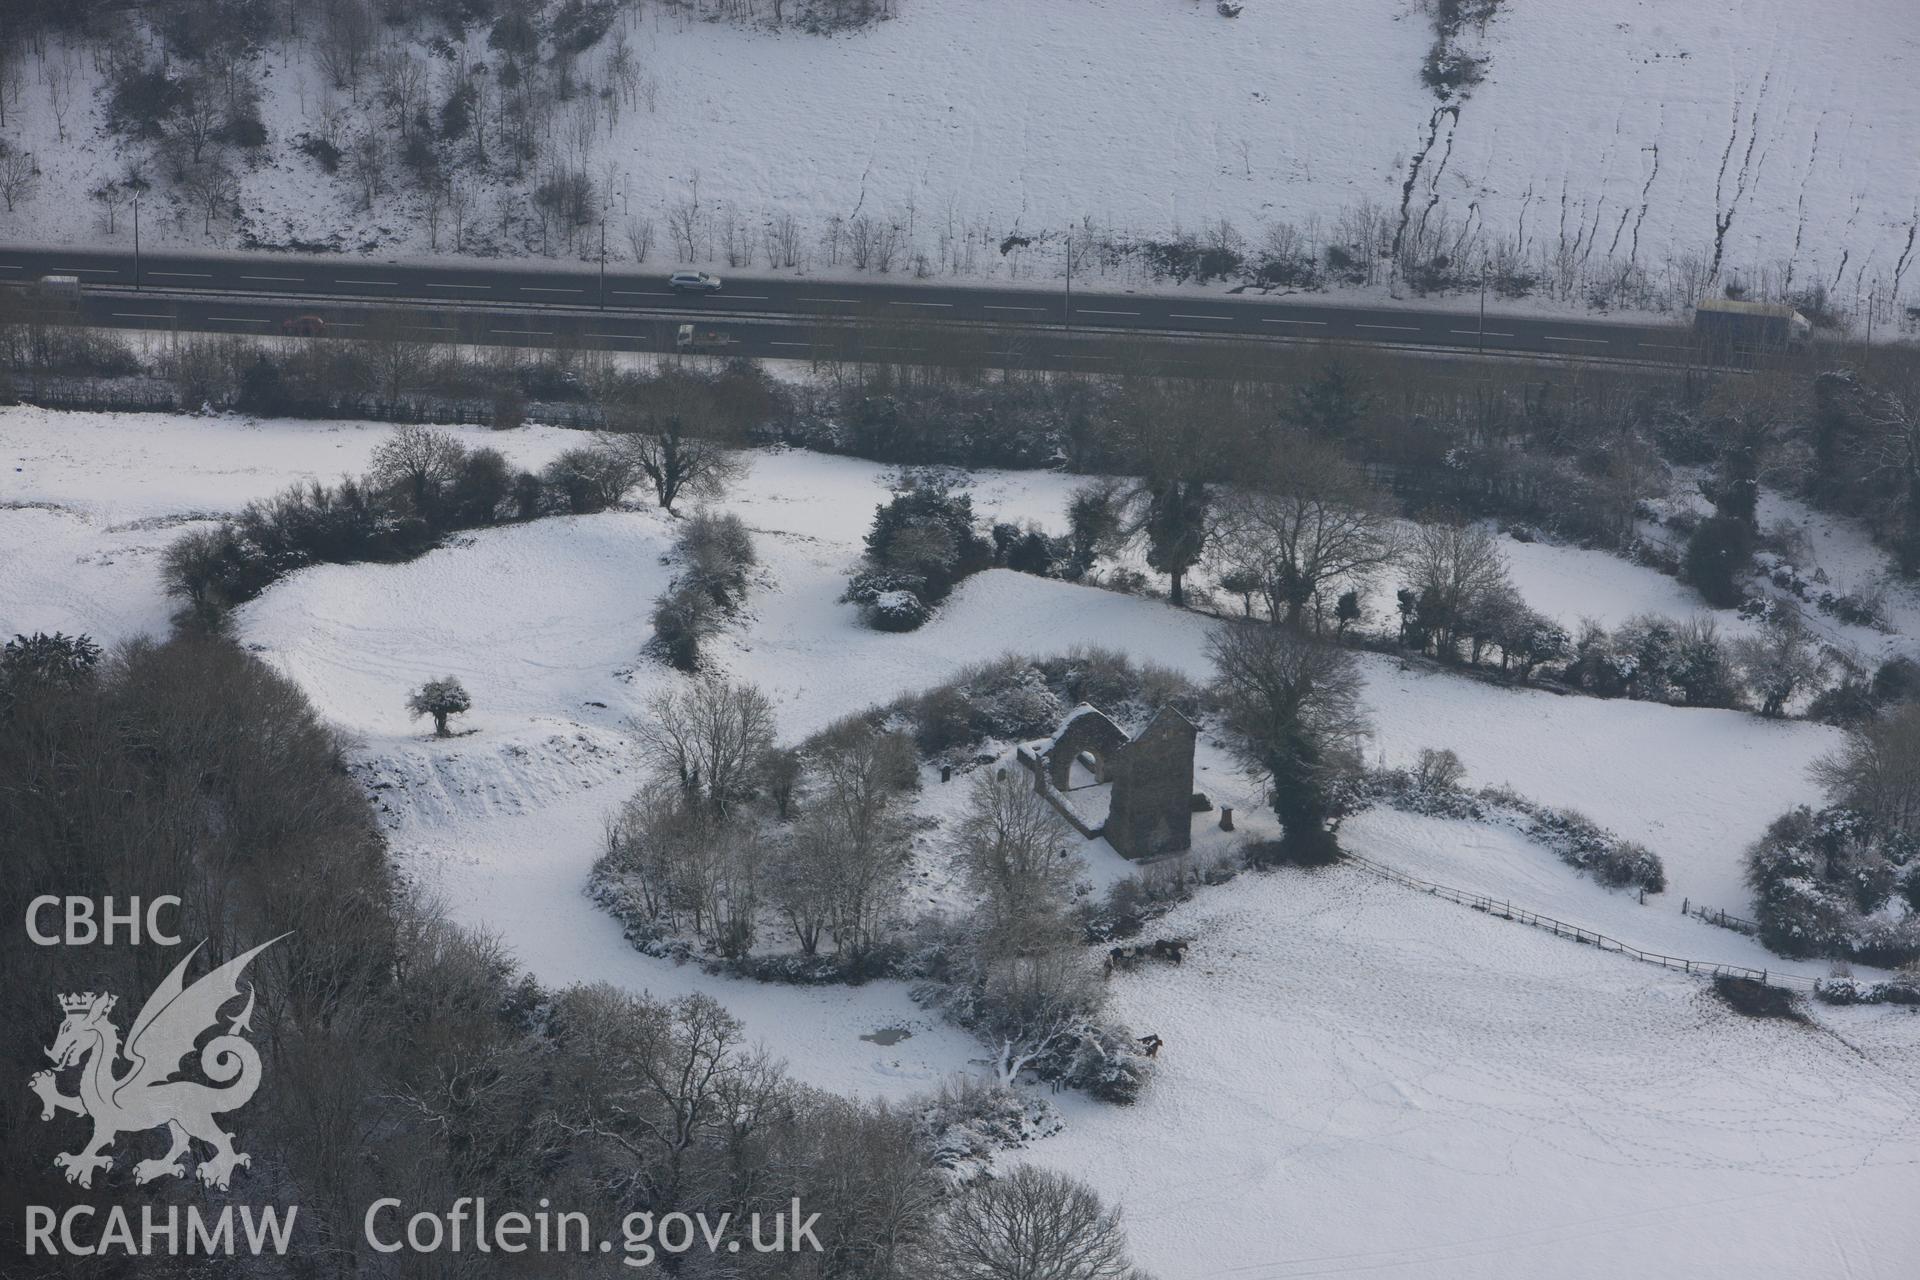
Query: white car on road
(693,282)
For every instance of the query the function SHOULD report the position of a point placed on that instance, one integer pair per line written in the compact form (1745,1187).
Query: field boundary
(1505,910)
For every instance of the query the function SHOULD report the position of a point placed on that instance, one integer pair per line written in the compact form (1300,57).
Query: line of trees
(1278,472)
(668,433)
(731,835)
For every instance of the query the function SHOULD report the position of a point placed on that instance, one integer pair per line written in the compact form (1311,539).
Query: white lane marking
(277,279)
(431,285)
(140,315)
(611,335)
(919,304)
(786,344)
(1554,337)
(1397,328)
(990,307)
(5,267)
(761,297)
(236,320)
(1665,346)
(432,328)
(390,284)
(1188,315)
(1089,311)
(535,288)
(1321,323)
(851,302)
(176,275)
(344,324)
(100,271)
(631,293)
(530,333)
(1474,333)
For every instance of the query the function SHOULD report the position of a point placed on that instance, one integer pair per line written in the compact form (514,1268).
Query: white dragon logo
(146,1096)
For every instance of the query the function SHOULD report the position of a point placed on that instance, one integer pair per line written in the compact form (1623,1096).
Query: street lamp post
(1067,310)
(136,237)
(603,259)
(1483,306)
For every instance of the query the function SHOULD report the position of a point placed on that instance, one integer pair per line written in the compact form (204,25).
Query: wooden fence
(1505,910)
(1715,916)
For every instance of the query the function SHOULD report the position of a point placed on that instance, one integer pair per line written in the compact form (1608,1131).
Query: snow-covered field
(1622,131)
(1357,1077)
(1360,1081)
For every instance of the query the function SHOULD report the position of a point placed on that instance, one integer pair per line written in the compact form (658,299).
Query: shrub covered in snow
(715,553)
(684,618)
(1041,1014)
(921,544)
(1824,885)
(1431,789)
(591,478)
(1653,659)
(968,1121)
(895,610)
(1028,549)
(440,699)
(1849,990)
(1154,890)
(423,484)
(1012,699)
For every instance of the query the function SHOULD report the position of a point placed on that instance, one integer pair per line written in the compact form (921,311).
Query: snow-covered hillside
(1624,141)
(1357,1077)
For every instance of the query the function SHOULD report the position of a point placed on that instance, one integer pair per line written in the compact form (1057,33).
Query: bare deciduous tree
(421,461)
(848,853)
(213,188)
(708,735)
(1294,716)
(397,355)
(640,238)
(1779,662)
(345,40)
(1013,846)
(675,438)
(199,114)
(783,240)
(681,864)
(1030,1224)
(459,204)
(403,86)
(1313,523)
(112,197)
(367,164)
(1182,433)
(1036,1003)
(60,93)
(18,177)
(1452,567)
(1877,771)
